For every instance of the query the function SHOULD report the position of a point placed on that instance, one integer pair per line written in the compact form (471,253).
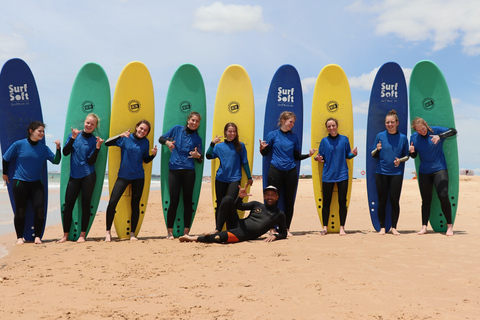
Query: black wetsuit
(261,219)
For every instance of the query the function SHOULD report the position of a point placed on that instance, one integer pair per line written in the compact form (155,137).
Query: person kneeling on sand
(261,219)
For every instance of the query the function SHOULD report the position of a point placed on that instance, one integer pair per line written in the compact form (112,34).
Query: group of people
(391,149)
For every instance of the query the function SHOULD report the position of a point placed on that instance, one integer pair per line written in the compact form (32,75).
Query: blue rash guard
(335,151)
(30,159)
(83,148)
(393,146)
(185,141)
(283,146)
(231,161)
(431,155)
(134,152)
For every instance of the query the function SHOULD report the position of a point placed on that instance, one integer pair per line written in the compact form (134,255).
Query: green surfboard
(90,94)
(186,93)
(429,98)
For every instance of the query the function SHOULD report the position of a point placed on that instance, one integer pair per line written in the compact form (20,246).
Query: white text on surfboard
(18,92)
(285,95)
(389,90)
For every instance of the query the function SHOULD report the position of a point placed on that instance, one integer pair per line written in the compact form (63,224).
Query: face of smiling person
(332,128)
(90,124)
(231,133)
(421,129)
(193,123)
(37,134)
(141,131)
(288,124)
(391,124)
(270,197)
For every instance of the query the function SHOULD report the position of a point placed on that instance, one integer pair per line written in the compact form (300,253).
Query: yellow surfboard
(132,101)
(331,98)
(234,103)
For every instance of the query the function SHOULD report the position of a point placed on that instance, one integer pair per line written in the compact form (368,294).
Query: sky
(56,38)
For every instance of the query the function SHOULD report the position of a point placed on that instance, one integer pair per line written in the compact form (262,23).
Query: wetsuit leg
(20,195)
(220,192)
(238,234)
(395,189)
(381,182)
(289,191)
(275,178)
(425,183)
(327,188)
(118,189)
(188,183)
(137,190)
(342,201)
(174,186)
(440,180)
(73,190)
(88,184)
(227,213)
(227,189)
(178,179)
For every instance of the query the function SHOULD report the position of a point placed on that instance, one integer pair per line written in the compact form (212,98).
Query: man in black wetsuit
(262,218)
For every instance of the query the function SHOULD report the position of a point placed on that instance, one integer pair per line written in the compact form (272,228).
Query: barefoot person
(186,147)
(391,150)
(30,158)
(427,142)
(233,157)
(285,147)
(83,147)
(134,152)
(334,150)
(262,218)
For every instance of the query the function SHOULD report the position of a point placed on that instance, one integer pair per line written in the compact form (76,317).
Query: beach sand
(358,276)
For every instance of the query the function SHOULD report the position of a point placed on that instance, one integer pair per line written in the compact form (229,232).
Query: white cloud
(361,108)
(363,82)
(12,45)
(442,22)
(308,84)
(229,18)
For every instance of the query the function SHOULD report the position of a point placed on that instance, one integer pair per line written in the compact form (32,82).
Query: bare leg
(38,240)
(424,230)
(20,241)
(82,237)
(170,234)
(186,231)
(449,230)
(394,232)
(65,238)
(108,237)
(188,238)
(382,231)
(342,231)
(209,233)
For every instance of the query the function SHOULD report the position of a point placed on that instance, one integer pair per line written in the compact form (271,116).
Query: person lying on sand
(262,218)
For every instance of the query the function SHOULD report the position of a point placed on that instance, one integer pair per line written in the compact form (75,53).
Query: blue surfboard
(389,91)
(284,94)
(19,106)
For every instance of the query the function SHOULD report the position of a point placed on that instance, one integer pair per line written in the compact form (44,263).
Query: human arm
(152,156)
(58,153)
(264,148)
(298,157)
(209,154)
(282,228)
(449,133)
(5,164)
(352,154)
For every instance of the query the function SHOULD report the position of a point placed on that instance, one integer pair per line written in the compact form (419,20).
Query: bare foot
(342,231)
(188,238)
(395,232)
(65,238)
(323,233)
(450,230)
(289,234)
(38,240)
(170,236)
(108,237)
(20,241)
(81,239)
(133,238)
(382,231)
(209,233)
(423,231)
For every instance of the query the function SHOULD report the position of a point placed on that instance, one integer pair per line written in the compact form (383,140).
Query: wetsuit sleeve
(58,157)
(199,150)
(162,140)
(240,205)
(246,167)
(282,226)
(5,165)
(67,149)
(149,158)
(350,156)
(209,154)
(449,133)
(265,151)
(298,157)
(93,157)
(111,141)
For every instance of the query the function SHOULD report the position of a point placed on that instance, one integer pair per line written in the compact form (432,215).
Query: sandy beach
(358,276)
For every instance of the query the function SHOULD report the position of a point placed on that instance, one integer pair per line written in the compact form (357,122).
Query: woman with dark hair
(233,156)
(30,157)
(185,145)
(427,142)
(134,152)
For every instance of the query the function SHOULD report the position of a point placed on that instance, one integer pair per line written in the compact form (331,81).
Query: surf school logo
(389,90)
(286,96)
(332,106)
(18,93)
(428,103)
(134,106)
(88,106)
(233,107)
(185,106)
